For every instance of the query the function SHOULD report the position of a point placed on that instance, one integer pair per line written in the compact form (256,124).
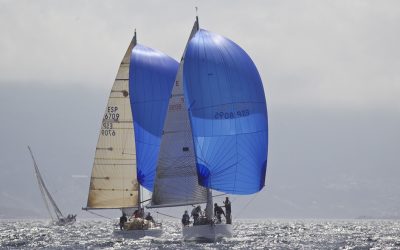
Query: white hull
(210,232)
(138,233)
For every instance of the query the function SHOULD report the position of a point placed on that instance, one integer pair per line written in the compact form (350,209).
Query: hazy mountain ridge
(345,172)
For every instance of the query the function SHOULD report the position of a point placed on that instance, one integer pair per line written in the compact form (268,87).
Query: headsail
(151,76)
(113,182)
(227,107)
(176,181)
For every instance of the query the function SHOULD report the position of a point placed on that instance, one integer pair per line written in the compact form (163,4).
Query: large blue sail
(151,77)
(227,107)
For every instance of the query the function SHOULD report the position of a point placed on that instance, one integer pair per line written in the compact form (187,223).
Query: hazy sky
(331,74)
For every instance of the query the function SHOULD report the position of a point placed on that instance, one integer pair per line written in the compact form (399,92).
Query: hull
(64,222)
(209,232)
(138,228)
(138,233)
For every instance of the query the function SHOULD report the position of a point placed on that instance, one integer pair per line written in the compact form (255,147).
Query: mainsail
(176,181)
(225,98)
(113,182)
(51,205)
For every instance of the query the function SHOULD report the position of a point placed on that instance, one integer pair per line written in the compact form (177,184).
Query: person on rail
(228,210)
(185,218)
(218,211)
(122,221)
(196,213)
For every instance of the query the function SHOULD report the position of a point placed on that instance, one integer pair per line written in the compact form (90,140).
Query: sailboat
(215,134)
(129,138)
(51,206)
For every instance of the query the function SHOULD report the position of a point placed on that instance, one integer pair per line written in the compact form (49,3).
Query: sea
(248,234)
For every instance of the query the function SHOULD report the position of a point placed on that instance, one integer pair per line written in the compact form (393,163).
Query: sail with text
(138,95)
(227,108)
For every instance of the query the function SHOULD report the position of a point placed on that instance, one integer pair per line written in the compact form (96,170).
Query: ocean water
(248,234)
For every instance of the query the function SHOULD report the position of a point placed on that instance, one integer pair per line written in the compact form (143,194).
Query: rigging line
(167,215)
(99,215)
(145,200)
(247,204)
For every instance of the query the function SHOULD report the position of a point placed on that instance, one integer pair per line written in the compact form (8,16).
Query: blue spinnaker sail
(151,77)
(226,102)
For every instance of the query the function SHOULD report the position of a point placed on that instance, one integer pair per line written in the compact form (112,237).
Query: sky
(330,71)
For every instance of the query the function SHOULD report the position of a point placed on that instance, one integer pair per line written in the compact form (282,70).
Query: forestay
(228,114)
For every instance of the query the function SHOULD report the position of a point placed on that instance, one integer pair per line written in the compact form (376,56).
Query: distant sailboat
(129,137)
(51,206)
(220,138)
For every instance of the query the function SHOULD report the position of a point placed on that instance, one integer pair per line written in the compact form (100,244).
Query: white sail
(176,181)
(113,182)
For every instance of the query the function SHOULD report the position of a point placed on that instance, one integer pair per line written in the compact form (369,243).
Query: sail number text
(231,115)
(109,118)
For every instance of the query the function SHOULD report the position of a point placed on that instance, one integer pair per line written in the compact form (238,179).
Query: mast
(209,205)
(140,199)
(197,20)
(139,205)
(176,182)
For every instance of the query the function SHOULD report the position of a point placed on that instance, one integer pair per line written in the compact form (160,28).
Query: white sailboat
(225,99)
(51,206)
(119,172)
(215,134)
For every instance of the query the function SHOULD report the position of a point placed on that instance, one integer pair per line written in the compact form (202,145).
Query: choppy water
(263,234)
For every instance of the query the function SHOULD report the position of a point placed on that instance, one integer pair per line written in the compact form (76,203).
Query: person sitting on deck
(141,213)
(185,218)
(218,211)
(196,212)
(122,221)
(136,214)
(149,217)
